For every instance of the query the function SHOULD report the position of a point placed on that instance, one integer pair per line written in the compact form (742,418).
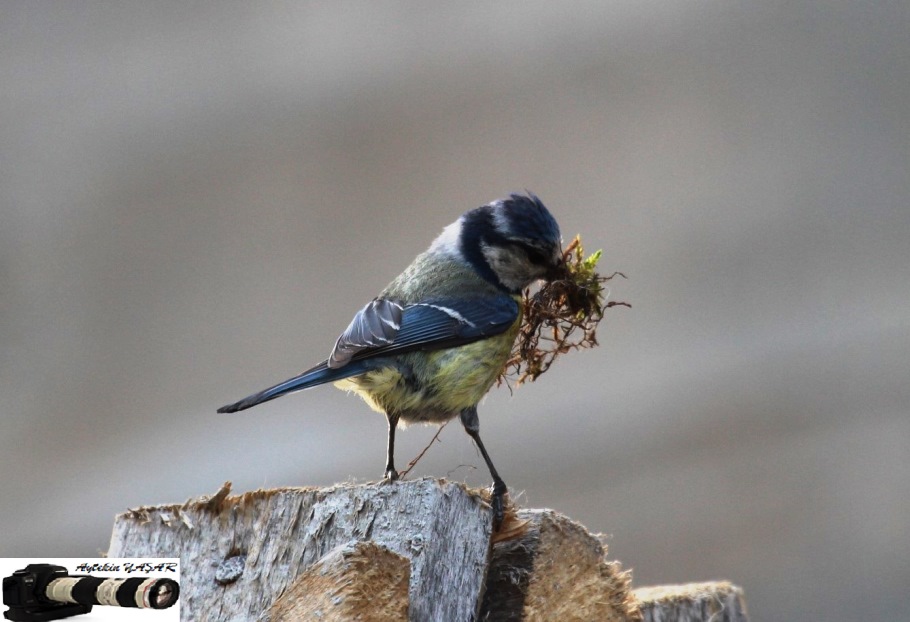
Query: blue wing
(385,328)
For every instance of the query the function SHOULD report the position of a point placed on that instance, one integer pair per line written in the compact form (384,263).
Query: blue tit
(431,345)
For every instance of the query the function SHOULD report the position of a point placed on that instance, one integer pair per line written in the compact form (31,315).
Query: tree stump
(419,550)
(695,602)
(272,536)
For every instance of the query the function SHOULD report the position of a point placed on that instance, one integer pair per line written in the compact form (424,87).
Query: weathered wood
(696,602)
(555,570)
(346,553)
(356,581)
(240,553)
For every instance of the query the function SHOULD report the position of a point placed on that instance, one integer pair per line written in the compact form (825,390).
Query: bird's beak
(557,272)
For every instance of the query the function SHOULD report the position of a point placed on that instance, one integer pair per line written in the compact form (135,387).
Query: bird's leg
(498,490)
(391,474)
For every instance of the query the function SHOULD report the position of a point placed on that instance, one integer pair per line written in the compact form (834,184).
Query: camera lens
(48,592)
(142,592)
(163,593)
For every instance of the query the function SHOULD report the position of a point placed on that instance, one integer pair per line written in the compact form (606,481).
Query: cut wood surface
(274,535)
(555,570)
(357,581)
(419,550)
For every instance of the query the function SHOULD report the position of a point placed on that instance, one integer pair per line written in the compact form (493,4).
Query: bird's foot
(391,475)
(497,502)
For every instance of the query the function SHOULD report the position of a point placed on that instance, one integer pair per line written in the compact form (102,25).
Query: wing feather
(385,327)
(375,325)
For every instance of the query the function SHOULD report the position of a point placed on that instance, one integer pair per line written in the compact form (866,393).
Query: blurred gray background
(195,198)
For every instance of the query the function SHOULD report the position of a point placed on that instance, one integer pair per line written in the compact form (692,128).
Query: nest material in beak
(561,316)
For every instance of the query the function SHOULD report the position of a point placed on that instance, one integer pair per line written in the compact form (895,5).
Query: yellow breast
(438,384)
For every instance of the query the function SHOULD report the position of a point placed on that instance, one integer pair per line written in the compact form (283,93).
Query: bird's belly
(432,387)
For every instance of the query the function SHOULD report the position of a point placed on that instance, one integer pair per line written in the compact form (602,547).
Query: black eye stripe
(536,256)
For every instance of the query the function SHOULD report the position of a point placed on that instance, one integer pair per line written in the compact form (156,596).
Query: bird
(435,340)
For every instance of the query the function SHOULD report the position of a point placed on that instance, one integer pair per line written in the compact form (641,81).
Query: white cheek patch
(513,269)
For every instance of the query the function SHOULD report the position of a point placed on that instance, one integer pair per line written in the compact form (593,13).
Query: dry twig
(413,462)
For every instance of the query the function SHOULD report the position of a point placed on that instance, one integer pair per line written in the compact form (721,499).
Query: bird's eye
(536,257)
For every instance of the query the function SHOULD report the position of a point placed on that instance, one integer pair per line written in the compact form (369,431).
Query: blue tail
(320,374)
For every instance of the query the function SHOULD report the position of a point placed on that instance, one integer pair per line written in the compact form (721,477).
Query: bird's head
(511,242)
